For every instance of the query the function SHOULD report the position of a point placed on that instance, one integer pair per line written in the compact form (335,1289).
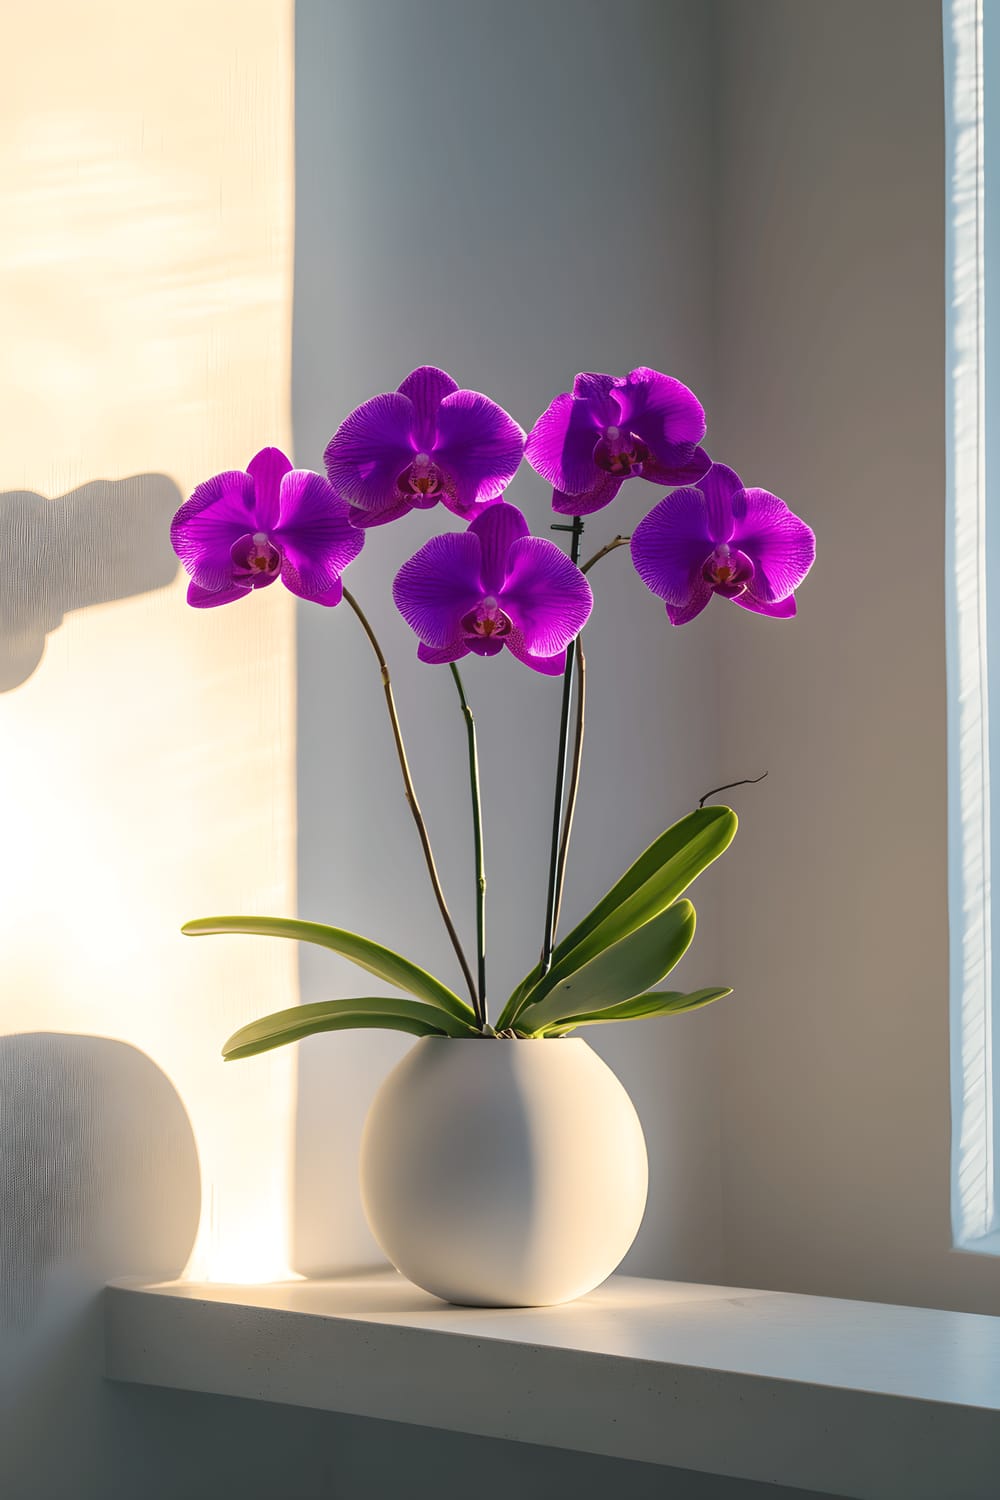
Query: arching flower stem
(477,829)
(618,541)
(411,797)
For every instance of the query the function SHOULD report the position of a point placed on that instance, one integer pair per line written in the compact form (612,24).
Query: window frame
(971,38)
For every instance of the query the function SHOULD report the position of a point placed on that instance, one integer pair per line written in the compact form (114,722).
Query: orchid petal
(497,528)
(485,645)
(671,545)
(596,391)
(686,471)
(662,411)
(478,448)
(316,536)
(370,449)
(778,609)
(549,666)
(363,519)
(783,547)
(684,613)
(438,655)
(209,598)
(439,585)
(426,388)
(267,469)
(603,491)
(560,446)
(719,486)
(468,513)
(546,596)
(203,531)
(330,597)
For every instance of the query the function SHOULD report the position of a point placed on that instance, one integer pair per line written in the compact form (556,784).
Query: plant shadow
(108,539)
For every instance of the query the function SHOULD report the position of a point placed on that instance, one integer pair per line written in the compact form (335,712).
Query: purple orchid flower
(644,425)
(240,531)
(491,586)
(427,442)
(723,539)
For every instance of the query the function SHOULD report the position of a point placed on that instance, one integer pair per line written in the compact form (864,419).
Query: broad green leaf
(519,996)
(656,1003)
(382,962)
(341,1015)
(627,969)
(648,887)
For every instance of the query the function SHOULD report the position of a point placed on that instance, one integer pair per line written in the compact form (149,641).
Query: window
(972,55)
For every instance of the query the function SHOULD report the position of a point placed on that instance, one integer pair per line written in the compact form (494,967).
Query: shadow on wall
(107,540)
(99,1178)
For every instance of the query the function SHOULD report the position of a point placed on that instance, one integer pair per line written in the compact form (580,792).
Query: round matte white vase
(502,1173)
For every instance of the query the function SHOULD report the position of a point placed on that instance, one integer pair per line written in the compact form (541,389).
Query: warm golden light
(148,761)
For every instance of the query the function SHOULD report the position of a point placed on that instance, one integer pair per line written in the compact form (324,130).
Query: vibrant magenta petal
(438,655)
(550,666)
(315,536)
(485,645)
(596,391)
(719,486)
(468,513)
(660,410)
(546,596)
(209,598)
(426,388)
(204,529)
(686,471)
(779,609)
(782,547)
(671,545)
(267,469)
(497,528)
(370,449)
(561,445)
(439,585)
(478,448)
(682,614)
(363,519)
(601,493)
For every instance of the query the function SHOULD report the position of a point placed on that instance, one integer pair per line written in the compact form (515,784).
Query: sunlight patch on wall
(149,760)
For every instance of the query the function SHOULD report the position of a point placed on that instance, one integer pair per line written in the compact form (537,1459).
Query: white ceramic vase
(502,1173)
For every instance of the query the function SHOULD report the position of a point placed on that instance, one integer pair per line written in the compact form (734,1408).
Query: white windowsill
(850,1398)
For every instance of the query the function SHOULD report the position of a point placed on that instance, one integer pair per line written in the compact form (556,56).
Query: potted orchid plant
(512,1175)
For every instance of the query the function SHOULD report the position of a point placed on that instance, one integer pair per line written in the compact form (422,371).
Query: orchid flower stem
(477,829)
(574,778)
(551,916)
(411,795)
(619,541)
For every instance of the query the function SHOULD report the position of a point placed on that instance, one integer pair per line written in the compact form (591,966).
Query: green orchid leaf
(647,888)
(341,1015)
(655,1003)
(382,962)
(618,973)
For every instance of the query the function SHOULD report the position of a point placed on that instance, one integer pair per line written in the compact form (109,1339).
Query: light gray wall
(830,389)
